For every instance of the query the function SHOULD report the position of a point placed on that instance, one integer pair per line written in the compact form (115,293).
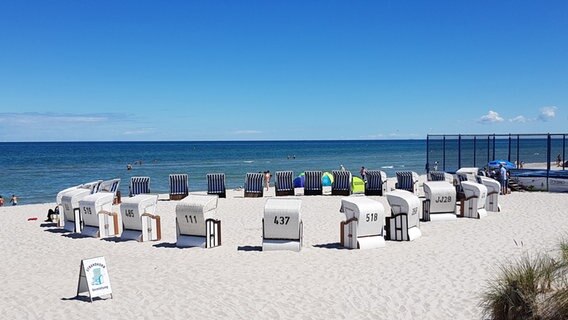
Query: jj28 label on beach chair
(94,278)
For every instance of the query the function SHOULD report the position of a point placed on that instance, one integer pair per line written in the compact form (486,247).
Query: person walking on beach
(14,200)
(1,201)
(558,160)
(341,167)
(363,173)
(504,180)
(267,176)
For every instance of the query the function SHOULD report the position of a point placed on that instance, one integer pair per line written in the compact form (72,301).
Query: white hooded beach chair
(440,202)
(179,186)
(91,186)
(139,185)
(312,183)
(473,205)
(72,219)
(376,183)
(196,225)
(216,184)
(253,185)
(493,188)
(407,180)
(139,221)
(284,183)
(341,183)
(97,215)
(404,222)
(440,176)
(364,223)
(282,227)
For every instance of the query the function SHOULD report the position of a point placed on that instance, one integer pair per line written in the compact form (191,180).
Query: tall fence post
(427,154)
(459,151)
(548,158)
(475,151)
(444,152)
(518,148)
(509,153)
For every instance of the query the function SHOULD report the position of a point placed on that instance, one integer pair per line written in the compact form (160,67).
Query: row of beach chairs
(375,184)
(364,226)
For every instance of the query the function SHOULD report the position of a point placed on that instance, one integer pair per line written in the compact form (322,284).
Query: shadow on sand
(249,248)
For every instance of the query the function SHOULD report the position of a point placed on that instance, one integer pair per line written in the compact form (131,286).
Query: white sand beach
(439,276)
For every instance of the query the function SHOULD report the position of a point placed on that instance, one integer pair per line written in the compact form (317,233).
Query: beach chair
(112,187)
(407,180)
(72,220)
(376,183)
(216,184)
(139,221)
(98,218)
(404,222)
(282,227)
(493,188)
(440,202)
(363,225)
(312,183)
(473,204)
(284,183)
(341,183)
(436,176)
(179,188)
(195,222)
(91,186)
(139,185)
(253,185)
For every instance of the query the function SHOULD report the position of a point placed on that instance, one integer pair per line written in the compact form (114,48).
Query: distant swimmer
(129,167)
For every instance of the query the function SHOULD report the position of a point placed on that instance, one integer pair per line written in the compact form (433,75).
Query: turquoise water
(37,171)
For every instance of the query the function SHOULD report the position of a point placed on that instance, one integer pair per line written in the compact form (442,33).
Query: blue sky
(264,70)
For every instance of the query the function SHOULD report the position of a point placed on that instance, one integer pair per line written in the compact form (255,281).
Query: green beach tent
(358,185)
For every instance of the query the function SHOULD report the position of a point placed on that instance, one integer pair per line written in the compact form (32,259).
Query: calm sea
(37,171)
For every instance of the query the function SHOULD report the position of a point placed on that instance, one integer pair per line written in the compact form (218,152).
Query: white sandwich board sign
(94,278)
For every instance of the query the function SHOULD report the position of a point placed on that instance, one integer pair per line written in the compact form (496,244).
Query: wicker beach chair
(376,183)
(253,185)
(407,180)
(312,183)
(216,184)
(195,222)
(364,223)
(139,185)
(282,227)
(179,186)
(341,183)
(284,183)
(139,221)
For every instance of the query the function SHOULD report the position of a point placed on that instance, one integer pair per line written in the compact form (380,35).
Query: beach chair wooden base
(220,195)
(373,192)
(281,193)
(253,194)
(340,192)
(313,192)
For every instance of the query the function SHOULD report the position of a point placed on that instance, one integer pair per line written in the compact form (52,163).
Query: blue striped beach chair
(341,185)
(436,176)
(139,185)
(253,185)
(111,186)
(312,183)
(284,183)
(407,180)
(216,184)
(179,186)
(376,183)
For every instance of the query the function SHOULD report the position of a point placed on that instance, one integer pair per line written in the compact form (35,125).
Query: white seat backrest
(70,201)
(132,209)
(282,219)
(193,211)
(370,215)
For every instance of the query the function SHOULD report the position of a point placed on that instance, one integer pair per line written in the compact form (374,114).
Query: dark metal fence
(449,152)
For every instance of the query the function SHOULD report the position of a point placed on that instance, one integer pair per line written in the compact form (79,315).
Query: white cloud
(42,118)
(138,131)
(491,117)
(547,113)
(247,132)
(519,119)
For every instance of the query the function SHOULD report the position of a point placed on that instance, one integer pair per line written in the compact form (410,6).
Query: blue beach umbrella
(326,179)
(299,181)
(496,163)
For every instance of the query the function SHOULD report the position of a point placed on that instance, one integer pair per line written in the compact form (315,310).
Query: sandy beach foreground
(438,276)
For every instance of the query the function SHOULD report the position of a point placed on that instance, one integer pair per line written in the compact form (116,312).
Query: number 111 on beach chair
(138,219)
(282,225)
(196,225)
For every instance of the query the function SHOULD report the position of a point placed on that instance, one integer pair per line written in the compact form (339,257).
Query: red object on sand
(32,218)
